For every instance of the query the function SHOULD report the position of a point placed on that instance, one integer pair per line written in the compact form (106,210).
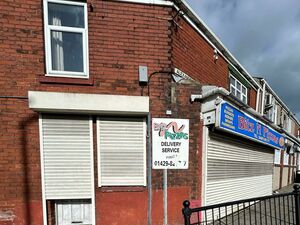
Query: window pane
(277,156)
(232,90)
(65,15)
(232,81)
(244,99)
(244,90)
(238,86)
(238,94)
(67,51)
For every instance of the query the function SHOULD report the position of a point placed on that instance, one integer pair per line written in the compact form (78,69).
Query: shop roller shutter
(122,152)
(67,157)
(237,169)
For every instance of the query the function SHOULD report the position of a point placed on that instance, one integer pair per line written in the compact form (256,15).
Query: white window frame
(277,157)
(234,89)
(286,158)
(84,31)
(100,183)
(271,113)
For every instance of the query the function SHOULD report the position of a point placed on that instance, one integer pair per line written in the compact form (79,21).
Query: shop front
(238,153)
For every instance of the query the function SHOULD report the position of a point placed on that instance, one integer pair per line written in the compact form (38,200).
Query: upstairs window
(238,89)
(66,38)
(270,107)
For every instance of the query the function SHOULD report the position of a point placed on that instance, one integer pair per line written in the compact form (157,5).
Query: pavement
(279,210)
(286,189)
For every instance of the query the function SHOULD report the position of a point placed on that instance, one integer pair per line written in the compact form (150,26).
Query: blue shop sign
(233,120)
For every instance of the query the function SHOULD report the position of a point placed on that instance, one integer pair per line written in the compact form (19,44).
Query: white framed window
(238,89)
(121,151)
(286,158)
(277,156)
(269,108)
(66,38)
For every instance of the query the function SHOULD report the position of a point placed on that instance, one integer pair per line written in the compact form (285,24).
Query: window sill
(123,189)
(65,80)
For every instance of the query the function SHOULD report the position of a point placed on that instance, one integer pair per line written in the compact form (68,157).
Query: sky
(264,36)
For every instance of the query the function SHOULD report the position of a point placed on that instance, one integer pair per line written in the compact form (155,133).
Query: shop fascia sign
(235,121)
(170,143)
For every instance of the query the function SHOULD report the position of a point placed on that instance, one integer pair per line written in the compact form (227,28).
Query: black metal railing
(277,209)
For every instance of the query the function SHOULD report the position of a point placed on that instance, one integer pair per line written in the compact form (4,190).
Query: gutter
(212,39)
(265,83)
(222,91)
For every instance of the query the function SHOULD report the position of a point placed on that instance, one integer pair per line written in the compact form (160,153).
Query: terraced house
(80,84)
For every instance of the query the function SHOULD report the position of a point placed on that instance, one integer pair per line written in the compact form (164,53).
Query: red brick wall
(20,186)
(182,184)
(252,98)
(122,36)
(194,56)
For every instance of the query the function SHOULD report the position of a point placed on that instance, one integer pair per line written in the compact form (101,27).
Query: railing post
(297,203)
(186,211)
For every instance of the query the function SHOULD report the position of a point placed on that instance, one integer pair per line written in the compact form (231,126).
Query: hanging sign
(236,121)
(170,143)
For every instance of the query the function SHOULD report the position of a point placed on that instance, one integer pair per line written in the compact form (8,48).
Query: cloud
(264,36)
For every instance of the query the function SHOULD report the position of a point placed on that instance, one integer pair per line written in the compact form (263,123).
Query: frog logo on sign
(164,131)
(170,143)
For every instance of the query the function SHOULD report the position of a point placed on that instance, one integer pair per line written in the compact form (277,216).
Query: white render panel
(67,157)
(122,152)
(237,169)
(60,102)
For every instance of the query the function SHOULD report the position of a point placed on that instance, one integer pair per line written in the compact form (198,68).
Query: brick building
(75,140)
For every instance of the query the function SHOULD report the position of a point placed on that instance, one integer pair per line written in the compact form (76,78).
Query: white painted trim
(61,102)
(47,38)
(257,99)
(65,2)
(145,150)
(45,219)
(46,44)
(279,100)
(217,39)
(152,2)
(98,152)
(171,4)
(263,99)
(205,137)
(93,201)
(213,45)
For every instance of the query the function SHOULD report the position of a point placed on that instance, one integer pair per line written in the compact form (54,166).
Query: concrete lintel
(60,102)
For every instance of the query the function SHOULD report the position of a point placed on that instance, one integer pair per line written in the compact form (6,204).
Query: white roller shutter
(121,152)
(237,169)
(67,157)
